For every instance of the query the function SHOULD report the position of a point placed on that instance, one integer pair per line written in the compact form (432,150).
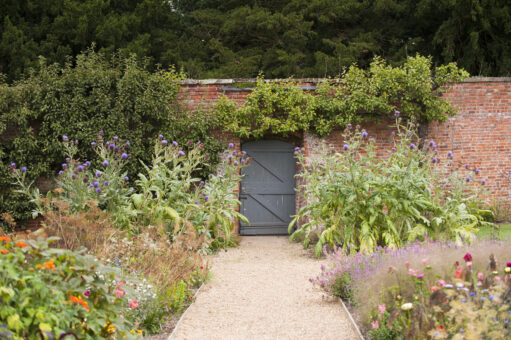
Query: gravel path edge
(351,319)
(174,331)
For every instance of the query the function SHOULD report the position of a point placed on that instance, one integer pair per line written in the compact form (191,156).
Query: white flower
(460,285)
(407,306)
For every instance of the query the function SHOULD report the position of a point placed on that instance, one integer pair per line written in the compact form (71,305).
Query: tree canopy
(241,38)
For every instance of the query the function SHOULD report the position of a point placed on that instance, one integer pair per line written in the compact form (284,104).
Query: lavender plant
(359,200)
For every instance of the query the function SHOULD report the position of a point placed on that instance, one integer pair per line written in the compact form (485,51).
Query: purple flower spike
(477,171)
(65,139)
(160,137)
(126,178)
(364,134)
(206,198)
(105,183)
(95,184)
(164,142)
(469,179)
(450,155)
(434,160)
(483,182)
(105,163)
(236,163)
(124,156)
(98,174)
(346,147)
(98,190)
(93,144)
(412,146)
(231,145)
(181,153)
(23,169)
(81,168)
(64,165)
(175,143)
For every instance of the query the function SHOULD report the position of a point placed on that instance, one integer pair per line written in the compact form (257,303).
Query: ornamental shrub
(359,200)
(119,96)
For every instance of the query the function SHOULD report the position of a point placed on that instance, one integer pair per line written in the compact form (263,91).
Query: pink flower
(420,276)
(202,267)
(121,283)
(467,257)
(424,261)
(134,304)
(508,264)
(480,276)
(441,283)
(375,324)
(469,264)
(119,293)
(191,297)
(86,293)
(497,278)
(381,308)
(412,272)
(407,264)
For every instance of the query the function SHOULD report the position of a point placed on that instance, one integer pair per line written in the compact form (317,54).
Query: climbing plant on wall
(282,108)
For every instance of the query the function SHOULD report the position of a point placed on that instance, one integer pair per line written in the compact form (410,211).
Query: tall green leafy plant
(359,200)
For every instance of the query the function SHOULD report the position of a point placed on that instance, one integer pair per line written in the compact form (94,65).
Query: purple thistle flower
(93,144)
(346,147)
(243,161)
(68,159)
(393,133)
(483,182)
(412,146)
(116,138)
(164,142)
(477,171)
(236,163)
(86,164)
(206,198)
(397,113)
(98,190)
(234,152)
(349,125)
(126,178)
(81,168)
(434,160)
(65,139)
(127,144)
(469,179)
(85,179)
(181,153)
(105,183)
(210,175)
(73,176)
(95,184)
(201,182)
(175,143)
(245,153)
(196,203)
(64,165)
(124,156)
(364,134)
(23,169)
(432,143)
(466,166)
(98,174)
(450,155)
(231,145)
(101,132)
(112,145)
(116,149)
(13,165)
(393,149)
(229,157)
(160,137)
(61,173)
(105,164)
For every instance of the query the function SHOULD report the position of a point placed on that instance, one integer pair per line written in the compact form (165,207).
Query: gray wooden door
(267,189)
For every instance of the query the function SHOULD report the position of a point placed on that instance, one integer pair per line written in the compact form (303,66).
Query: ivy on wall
(282,108)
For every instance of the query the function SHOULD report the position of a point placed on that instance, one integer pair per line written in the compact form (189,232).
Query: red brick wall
(480,134)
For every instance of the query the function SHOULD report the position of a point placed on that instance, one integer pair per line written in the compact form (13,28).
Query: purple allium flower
(98,190)
(477,171)
(434,160)
(364,134)
(86,164)
(206,198)
(105,163)
(160,137)
(65,139)
(101,132)
(81,168)
(64,165)
(116,138)
(116,149)
(243,161)
(124,156)
(231,145)
(412,146)
(13,165)
(469,179)
(346,147)
(93,144)
(127,144)
(23,169)
(450,155)
(236,163)
(126,178)
(164,142)
(432,143)
(229,157)
(245,153)
(397,113)
(95,184)
(175,143)
(234,152)
(181,153)
(466,166)
(196,203)
(61,173)
(98,174)
(105,183)
(296,150)
(201,182)
(112,145)
(483,182)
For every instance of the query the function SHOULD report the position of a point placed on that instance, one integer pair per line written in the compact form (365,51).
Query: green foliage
(283,108)
(359,201)
(120,97)
(48,291)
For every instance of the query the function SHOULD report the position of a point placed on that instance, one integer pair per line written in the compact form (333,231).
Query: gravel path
(261,290)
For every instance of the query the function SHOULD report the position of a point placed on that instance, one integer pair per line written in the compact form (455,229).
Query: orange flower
(5,239)
(434,288)
(21,244)
(458,273)
(4,251)
(78,300)
(49,265)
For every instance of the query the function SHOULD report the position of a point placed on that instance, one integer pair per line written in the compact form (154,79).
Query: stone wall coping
(233,81)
